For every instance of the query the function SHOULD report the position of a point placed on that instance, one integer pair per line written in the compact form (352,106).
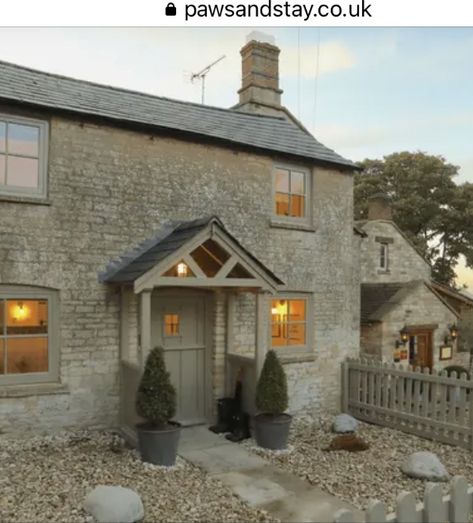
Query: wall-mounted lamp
(404,333)
(20,312)
(453,331)
(182,270)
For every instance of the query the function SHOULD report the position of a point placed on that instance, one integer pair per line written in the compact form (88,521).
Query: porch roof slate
(165,242)
(375,295)
(40,89)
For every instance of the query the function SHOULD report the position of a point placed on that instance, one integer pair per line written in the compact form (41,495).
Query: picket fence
(431,405)
(455,507)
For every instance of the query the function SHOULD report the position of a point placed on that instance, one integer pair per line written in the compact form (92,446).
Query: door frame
(207,296)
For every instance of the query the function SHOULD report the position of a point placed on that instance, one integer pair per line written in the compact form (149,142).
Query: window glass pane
(180,270)
(2,316)
(239,272)
(27,317)
(2,356)
(3,133)
(282,180)
(27,355)
(171,324)
(23,139)
(282,204)
(297,205)
(278,331)
(210,257)
(297,182)
(3,162)
(297,310)
(296,334)
(22,172)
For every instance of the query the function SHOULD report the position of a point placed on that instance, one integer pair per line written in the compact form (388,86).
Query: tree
(156,396)
(433,211)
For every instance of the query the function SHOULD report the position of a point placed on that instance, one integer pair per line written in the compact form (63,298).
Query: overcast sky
(378,90)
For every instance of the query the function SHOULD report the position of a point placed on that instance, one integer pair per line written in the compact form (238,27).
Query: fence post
(345,385)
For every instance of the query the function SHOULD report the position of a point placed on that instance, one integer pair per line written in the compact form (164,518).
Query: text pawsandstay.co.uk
(270,9)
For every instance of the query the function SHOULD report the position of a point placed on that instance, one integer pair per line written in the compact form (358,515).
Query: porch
(195,291)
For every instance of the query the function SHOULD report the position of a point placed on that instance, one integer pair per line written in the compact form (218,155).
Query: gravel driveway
(47,478)
(358,477)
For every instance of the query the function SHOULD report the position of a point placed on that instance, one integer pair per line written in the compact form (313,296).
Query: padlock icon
(170,9)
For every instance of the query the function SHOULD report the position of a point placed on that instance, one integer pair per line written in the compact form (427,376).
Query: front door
(178,325)
(420,349)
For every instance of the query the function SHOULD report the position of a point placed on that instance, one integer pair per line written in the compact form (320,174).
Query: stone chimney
(260,91)
(379,207)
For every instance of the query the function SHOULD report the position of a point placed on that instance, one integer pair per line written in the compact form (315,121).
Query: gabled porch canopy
(199,253)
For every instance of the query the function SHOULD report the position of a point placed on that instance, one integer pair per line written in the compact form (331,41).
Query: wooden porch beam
(262,330)
(145,325)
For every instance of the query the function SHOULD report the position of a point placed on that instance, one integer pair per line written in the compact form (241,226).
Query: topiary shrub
(271,391)
(156,396)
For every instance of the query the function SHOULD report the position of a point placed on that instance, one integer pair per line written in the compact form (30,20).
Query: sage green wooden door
(178,325)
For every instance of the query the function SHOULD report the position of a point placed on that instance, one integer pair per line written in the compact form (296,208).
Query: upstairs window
(383,256)
(23,154)
(291,194)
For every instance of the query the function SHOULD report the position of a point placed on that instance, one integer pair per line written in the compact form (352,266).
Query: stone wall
(110,189)
(420,307)
(371,340)
(405,263)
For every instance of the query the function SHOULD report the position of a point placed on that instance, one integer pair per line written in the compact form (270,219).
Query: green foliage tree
(156,396)
(271,391)
(433,211)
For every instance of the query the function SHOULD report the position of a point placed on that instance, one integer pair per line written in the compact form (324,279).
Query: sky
(365,92)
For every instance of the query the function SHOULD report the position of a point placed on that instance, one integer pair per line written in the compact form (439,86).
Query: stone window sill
(35,389)
(24,199)
(292,226)
(296,358)
(381,271)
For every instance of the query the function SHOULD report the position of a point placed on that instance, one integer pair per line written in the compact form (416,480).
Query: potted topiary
(158,436)
(272,424)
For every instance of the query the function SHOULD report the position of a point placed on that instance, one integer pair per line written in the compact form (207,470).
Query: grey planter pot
(159,447)
(272,432)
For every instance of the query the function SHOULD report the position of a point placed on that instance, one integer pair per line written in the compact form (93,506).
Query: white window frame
(41,191)
(294,349)
(17,292)
(383,255)
(305,220)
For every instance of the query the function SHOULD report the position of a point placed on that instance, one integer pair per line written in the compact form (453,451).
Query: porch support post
(145,325)
(262,330)
(124,323)
(230,345)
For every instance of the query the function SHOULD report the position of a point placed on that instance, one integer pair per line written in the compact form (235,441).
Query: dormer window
(384,256)
(23,151)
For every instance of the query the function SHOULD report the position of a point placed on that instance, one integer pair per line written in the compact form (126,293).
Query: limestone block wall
(111,188)
(405,263)
(421,307)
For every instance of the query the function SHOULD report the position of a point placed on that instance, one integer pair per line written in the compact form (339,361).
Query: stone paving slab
(284,495)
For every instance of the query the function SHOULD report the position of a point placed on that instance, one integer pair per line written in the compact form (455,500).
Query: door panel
(421,349)
(178,325)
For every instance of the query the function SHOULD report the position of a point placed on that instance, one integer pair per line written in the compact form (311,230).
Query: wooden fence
(455,507)
(431,405)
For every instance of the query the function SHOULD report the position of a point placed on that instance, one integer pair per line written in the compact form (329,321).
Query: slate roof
(375,295)
(163,244)
(28,86)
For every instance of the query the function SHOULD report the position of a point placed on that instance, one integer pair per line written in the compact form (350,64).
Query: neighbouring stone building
(129,220)
(404,317)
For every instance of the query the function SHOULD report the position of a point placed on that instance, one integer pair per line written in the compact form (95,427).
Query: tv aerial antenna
(202,74)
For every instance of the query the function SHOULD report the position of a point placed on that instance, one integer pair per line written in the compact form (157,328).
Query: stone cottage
(404,317)
(129,221)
